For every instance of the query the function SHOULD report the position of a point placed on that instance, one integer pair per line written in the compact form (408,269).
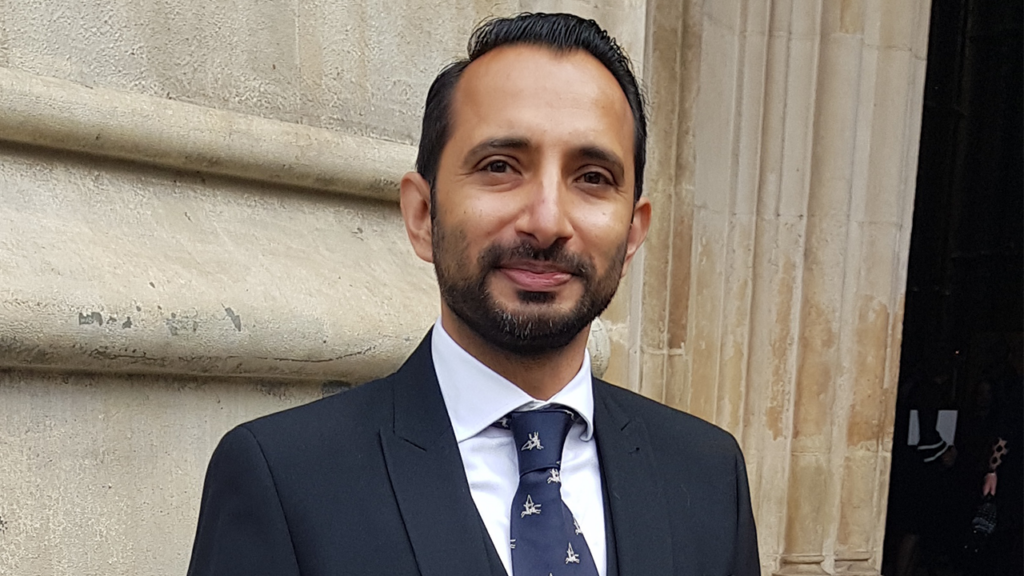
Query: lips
(535,276)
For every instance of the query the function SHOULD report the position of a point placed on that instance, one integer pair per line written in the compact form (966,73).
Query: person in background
(926,483)
(1003,480)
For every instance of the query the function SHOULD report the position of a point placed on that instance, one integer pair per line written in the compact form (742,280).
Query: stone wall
(198,226)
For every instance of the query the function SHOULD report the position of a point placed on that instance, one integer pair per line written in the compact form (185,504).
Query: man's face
(532,211)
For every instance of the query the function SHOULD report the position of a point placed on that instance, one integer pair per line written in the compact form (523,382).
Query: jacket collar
(642,532)
(448,538)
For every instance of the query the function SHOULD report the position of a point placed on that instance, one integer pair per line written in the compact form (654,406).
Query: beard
(536,327)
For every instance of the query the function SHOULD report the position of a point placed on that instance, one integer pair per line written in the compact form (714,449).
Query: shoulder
(354,415)
(667,428)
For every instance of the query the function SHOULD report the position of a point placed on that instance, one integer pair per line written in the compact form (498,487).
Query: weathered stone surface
(62,115)
(128,269)
(773,282)
(101,473)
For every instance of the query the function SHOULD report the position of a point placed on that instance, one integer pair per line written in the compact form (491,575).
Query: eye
(595,178)
(497,167)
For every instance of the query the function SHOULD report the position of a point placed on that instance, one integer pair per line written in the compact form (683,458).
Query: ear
(415,202)
(637,230)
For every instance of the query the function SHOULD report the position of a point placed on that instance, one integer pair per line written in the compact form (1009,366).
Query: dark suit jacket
(370,482)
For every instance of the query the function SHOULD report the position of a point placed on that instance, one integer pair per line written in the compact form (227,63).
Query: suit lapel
(638,511)
(429,481)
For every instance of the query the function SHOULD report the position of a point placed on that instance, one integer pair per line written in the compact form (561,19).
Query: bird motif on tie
(533,442)
(572,558)
(530,507)
(544,534)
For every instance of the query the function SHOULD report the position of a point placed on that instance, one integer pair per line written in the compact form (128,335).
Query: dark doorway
(964,313)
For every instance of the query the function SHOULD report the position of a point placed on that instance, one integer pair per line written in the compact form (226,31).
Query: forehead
(543,95)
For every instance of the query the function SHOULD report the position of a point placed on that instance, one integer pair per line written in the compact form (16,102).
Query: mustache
(497,255)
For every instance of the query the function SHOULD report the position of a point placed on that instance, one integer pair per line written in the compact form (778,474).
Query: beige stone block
(819,332)
(805,19)
(752,83)
(770,150)
(663,89)
(870,347)
(618,309)
(62,115)
(370,71)
(835,123)
(679,384)
(680,279)
(704,339)
(808,516)
(127,268)
(773,329)
(665,21)
(239,56)
(714,120)
(918,70)
(652,376)
(768,468)
(102,474)
(874,242)
(890,127)
(896,22)
(736,299)
(656,270)
(615,325)
(889,389)
(881,499)
(725,15)
(618,363)
(920,34)
(756,18)
(856,538)
(779,24)
(843,17)
(813,388)
(4,43)
(797,124)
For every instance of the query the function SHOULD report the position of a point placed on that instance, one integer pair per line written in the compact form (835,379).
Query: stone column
(783,157)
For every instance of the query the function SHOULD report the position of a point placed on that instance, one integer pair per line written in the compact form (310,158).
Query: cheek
(601,231)
(463,238)
(486,218)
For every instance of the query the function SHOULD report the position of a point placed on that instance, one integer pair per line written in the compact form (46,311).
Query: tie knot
(539,436)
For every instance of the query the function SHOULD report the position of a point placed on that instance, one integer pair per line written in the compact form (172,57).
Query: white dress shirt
(476,397)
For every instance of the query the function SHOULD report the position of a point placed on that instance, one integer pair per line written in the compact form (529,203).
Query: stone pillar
(784,153)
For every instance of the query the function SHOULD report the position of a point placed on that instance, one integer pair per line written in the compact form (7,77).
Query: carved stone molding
(783,163)
(62,115)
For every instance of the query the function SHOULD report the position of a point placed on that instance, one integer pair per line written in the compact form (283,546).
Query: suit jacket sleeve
(242,527)
(747,559)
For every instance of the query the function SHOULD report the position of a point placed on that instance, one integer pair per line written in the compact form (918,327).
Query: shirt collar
(477,396)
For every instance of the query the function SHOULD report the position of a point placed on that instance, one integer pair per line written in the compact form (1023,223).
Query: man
(527,201)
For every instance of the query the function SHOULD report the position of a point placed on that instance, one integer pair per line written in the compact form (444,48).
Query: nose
(544,215)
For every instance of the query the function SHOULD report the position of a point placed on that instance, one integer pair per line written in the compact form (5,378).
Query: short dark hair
(559,32)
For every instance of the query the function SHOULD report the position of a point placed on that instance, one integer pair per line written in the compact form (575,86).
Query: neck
(539,376)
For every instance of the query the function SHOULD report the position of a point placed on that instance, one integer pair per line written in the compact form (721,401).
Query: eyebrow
(599,154)
(511,143)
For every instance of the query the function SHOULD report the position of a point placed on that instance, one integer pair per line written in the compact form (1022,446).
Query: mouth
(534,275)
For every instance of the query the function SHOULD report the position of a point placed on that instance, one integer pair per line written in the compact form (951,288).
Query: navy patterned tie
(546,540)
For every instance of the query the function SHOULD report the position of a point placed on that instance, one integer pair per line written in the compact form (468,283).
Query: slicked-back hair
(558,32)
